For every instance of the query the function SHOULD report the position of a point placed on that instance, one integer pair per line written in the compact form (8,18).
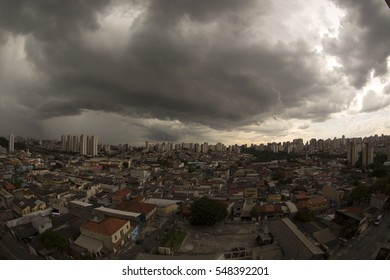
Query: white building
(83,144)
(11,143)
(63,142)
(93,145)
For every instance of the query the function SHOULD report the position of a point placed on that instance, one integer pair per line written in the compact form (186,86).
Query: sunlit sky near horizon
(231,71)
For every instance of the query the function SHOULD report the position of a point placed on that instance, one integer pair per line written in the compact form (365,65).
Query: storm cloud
(198,63)
(363,44)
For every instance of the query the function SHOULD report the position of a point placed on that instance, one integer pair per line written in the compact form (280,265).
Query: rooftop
(108,226)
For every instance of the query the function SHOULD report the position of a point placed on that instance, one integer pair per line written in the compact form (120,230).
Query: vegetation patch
(174,242)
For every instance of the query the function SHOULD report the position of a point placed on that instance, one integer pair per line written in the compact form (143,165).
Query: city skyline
(235,72)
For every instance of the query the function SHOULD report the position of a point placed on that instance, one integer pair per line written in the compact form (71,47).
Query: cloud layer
(209,64)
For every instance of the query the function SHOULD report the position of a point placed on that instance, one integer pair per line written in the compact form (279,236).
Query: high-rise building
(63,143)
(205,148)
(146,146)
(68,142)
(83,144)
(93,145)
(367,154)
(352,153)
(299,144)
(388,151)
(336,144)
(320,145)
(75,143)
(11,143)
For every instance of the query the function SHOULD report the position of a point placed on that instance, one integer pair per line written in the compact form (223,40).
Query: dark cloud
(192,61)
(158,134)
(363,44)
(50,20)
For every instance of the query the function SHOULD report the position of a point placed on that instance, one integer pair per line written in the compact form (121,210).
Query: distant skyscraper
(147,146)
(336,144)
(298,144)
(75,143)
(388,151)
(11,143)
(93,145)
(68,142)
(368,154)
(63,143)
(352,153)
(83,144)
(205,147)
(312,146)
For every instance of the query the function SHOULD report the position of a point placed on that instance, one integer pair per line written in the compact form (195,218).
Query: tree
(206,211)
(304,215)
(52,240)
(379,172)
(359,192)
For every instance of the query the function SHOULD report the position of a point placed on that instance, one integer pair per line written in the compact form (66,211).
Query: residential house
(270,211)
(246,214)
(120,196)
(333,195)
(80,209)
(147,210)
(250,192)
(115,213)
(85,245)
(111,232)
(353,220)
(41,224)
(299,197)
(317,204)
(291,208)
(237,208)
(293,242)
(28,205)
(271,198)
(6,199)
(379,201)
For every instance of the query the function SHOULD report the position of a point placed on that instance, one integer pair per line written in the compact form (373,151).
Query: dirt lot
(217,239)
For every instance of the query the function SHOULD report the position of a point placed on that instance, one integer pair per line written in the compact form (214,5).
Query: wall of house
(317,206)
(377,203)
(165,210)
(105,239)
(110,242)
(150,214)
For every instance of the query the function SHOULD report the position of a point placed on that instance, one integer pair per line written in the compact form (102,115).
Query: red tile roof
(139,198)
(301,204)
(317,200)
(122,192)
(137,207)
(300,196)
(108,226)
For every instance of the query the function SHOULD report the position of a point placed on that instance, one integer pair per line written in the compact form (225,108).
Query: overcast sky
(231,71)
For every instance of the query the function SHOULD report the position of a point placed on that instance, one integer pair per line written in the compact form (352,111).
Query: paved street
(366,245)
(150,242)
(10,249)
